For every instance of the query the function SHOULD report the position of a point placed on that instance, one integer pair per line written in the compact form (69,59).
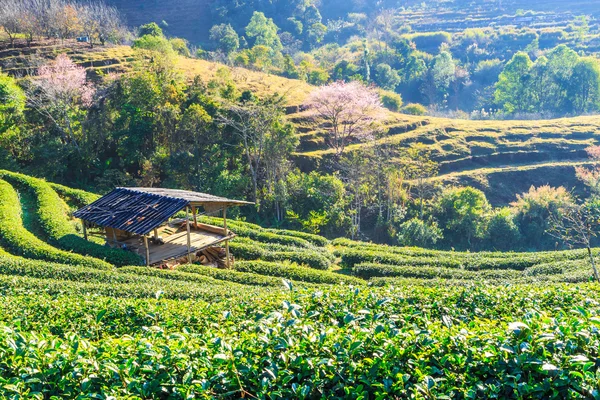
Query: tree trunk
(593,264)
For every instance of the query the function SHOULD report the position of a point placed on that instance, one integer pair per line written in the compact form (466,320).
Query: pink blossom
(63,81)
(350,109)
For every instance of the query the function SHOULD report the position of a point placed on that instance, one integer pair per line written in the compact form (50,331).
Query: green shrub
(60,278)
(53,219)
(257,233)
(247,251)
(414,109)
(367,271)
(294,273)
(430,42)
(282,247)
(22,242)
(391,101)
(243,278)
(474,262)
(242,228)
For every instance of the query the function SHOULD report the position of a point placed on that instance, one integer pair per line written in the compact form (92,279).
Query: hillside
(192,19)
(502,158)
(202,331)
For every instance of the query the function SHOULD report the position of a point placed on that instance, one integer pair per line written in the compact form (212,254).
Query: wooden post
(155,234)
(194,213)
(85,236)
(115,237)
(189,240)
(226,233)
(147,251)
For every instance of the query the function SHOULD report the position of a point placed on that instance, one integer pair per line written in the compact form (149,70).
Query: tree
(386,77)
(9,19)
(419,167)
(533,210)
(512,86)
(264,31)
(416,232)
(225,37)
(443,70)
(351,110)
(100,23)
(584,88)
(67,21)
(577,225)
(151,29)
(253,123)
(58,92)
(461,211)
(502,231)
(159,44)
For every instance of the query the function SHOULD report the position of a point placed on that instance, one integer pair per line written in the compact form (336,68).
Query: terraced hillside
(500,157)
(297,317)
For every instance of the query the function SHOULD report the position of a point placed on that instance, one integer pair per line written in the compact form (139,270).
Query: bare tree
(9,19)
(577,225)
(419,168)
(99,21)
(252,122)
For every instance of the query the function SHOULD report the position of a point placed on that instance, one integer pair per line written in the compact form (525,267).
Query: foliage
(226,38)
(533,210)
(414,109)
(461,211)
(392,101)
(151,29)
(416,232)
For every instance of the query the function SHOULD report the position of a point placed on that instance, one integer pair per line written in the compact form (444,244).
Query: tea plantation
(297,317)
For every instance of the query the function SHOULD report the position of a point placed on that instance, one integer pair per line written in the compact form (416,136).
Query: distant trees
(559,83)
(61,19)
(352,110)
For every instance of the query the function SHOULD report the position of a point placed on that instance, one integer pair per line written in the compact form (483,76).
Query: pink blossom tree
(350,110)
(60,92)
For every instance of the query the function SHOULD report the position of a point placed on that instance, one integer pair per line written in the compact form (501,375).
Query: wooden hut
(142,220)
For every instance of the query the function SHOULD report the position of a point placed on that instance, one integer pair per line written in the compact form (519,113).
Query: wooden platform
(175,244)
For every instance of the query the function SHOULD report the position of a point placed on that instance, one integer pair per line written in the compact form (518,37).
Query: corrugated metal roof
(192,197)
(131,210)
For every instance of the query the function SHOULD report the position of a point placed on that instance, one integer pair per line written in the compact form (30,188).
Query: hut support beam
(147,250)
(226,233)
(195,214)
(85,235)
(189,240)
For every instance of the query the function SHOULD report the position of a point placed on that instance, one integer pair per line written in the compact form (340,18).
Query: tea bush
(52,217)
(22,242)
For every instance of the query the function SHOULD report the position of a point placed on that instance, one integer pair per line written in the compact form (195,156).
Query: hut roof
(140,210)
